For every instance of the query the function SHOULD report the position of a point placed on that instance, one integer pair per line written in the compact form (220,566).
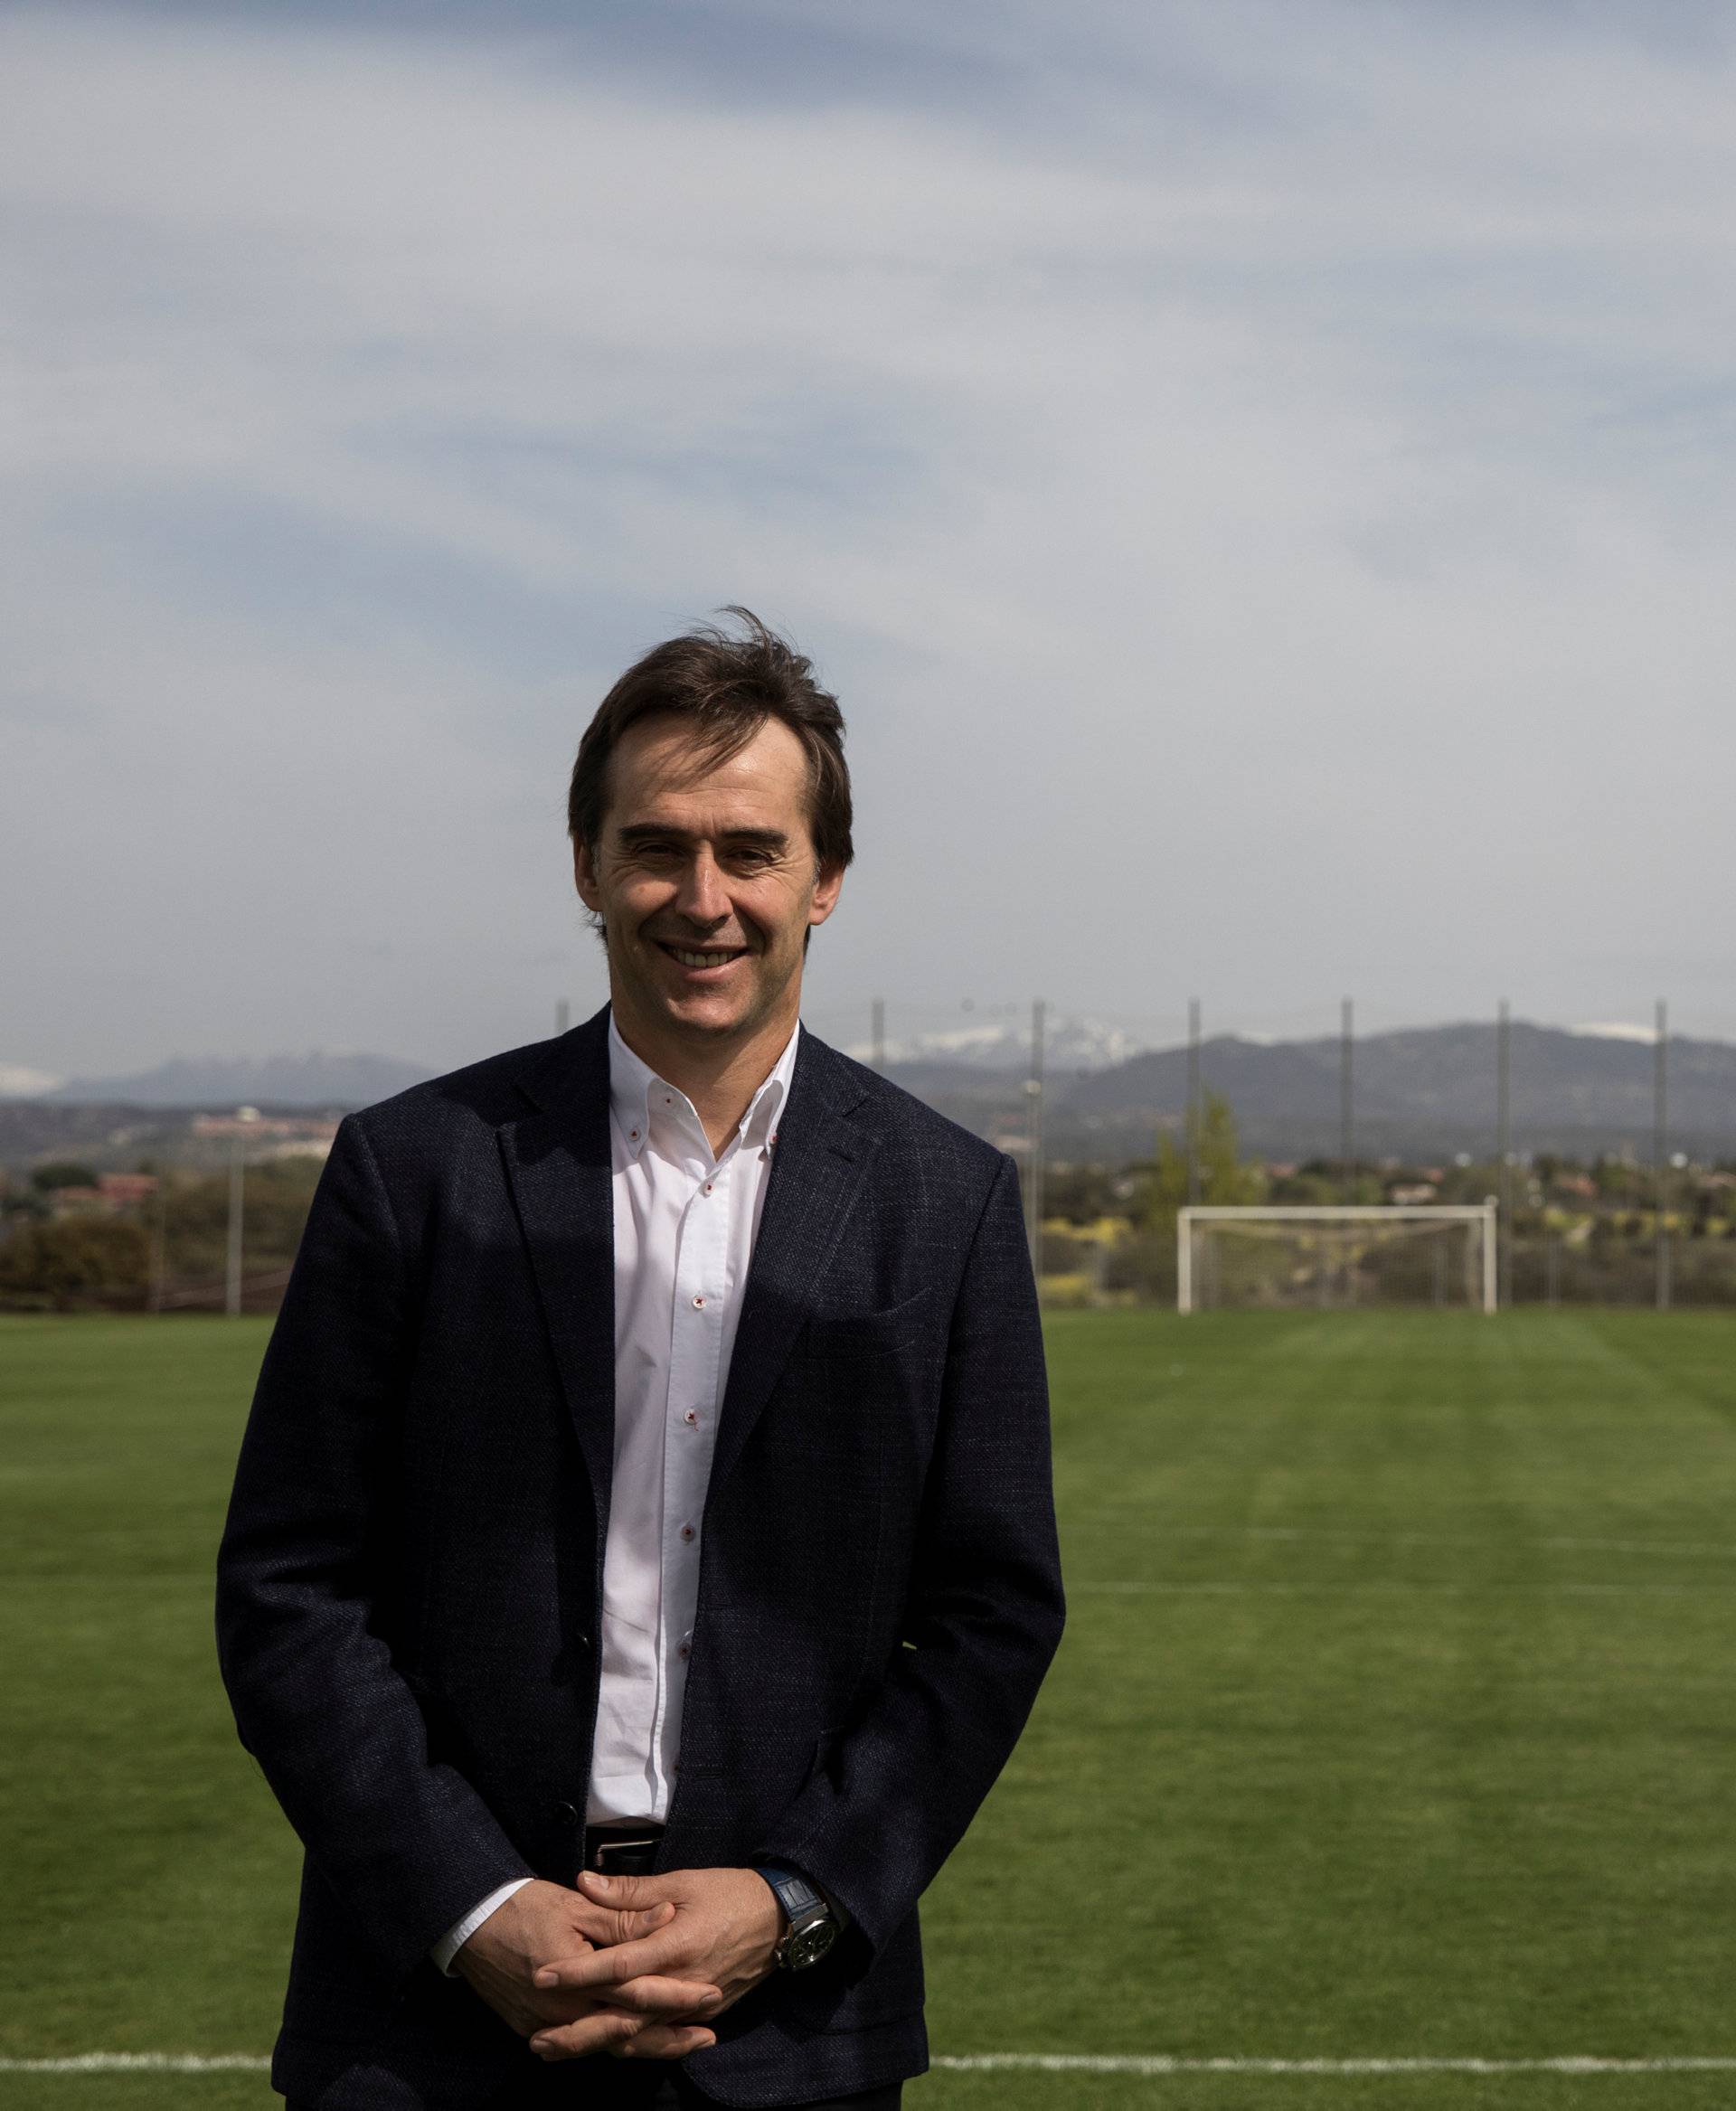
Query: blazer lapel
(558,1163)
(818,1166)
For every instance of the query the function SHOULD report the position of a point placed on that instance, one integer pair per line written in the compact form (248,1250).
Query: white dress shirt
(685,1225)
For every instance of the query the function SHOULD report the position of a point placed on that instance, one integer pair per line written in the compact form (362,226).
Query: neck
(719,1076)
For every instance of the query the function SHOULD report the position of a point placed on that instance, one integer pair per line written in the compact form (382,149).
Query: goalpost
(1293,1254)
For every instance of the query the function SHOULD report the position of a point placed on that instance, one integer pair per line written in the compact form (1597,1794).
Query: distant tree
(1079,1194)
(1301,1190)
(1223,1178)
(274,1208)
(74,1259)
(62,1173)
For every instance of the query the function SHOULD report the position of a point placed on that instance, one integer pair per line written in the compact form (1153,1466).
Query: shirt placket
(702,1287)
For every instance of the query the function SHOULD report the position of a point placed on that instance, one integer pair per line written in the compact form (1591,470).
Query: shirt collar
(632,1081)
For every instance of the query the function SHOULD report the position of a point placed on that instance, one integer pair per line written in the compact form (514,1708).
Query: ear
(826,889)
(584,876)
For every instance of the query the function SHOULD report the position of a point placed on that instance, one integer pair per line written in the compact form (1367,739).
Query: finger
(663,1999)
(608,1925)
(606,2031)
(664,2042)
(653,1956)
(625,1894)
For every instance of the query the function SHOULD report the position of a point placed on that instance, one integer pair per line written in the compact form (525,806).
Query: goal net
(1279,1256)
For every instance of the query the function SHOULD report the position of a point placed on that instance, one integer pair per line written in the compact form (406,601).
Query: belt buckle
(607,1849)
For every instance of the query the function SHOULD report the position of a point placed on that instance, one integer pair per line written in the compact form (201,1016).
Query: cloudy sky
(1258,475)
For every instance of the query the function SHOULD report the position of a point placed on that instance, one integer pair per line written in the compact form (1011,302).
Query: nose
(701,896)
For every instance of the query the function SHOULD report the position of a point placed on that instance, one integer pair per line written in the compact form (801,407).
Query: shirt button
(692,1419)
(632,1136)
(708,1187)
(699,1305)
(687,1532)
(687,1650)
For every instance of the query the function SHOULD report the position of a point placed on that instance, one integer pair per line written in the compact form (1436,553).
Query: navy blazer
(411,1572)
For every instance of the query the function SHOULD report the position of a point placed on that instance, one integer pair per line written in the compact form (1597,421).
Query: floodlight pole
(1192,1119)
(1491,1280)
(232,1273)
(1347,1102)
(1504,1150)
(1184,1260)
(237,1174)
(1660,1154)
(160,1241)
(1033,1182)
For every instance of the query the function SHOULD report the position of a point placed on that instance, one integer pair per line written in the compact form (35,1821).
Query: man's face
(706,881)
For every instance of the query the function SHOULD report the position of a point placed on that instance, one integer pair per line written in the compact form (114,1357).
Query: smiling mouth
(702,956)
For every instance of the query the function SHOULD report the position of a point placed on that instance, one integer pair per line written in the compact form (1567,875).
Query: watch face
(807,1945)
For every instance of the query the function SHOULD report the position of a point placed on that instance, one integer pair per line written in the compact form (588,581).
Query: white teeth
(699,959)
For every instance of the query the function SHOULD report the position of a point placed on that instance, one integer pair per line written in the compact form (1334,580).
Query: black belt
(622,1851)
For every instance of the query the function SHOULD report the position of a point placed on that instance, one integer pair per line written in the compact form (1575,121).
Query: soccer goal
(1442,1255)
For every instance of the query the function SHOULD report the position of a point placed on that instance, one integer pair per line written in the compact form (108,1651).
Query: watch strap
(793,1893)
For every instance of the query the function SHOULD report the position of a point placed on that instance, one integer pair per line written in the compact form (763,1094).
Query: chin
(704,1015)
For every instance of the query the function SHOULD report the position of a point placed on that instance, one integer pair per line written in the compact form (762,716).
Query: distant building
(125,1189)
(251,1126)
(113,1192)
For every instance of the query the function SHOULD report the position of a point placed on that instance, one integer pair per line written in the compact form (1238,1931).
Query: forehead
(660,770)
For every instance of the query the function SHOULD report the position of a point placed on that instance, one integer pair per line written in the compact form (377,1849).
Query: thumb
(632,1907)
(626,1894)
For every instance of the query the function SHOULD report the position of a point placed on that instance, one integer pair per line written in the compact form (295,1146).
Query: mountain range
(1420,1093)
(221,1082)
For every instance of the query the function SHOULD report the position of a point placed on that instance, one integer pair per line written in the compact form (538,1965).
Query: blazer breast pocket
(839,1335)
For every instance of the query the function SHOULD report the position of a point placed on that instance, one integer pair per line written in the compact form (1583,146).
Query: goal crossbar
(1424,1215)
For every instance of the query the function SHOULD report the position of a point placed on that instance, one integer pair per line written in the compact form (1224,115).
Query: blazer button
(570,1662)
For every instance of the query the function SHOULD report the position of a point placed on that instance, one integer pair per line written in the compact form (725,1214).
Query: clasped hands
(630,1965)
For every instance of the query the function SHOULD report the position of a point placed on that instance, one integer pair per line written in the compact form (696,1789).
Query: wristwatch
(813,1926)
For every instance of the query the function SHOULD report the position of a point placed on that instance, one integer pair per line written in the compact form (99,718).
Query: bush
(62,1173)
(75,1260)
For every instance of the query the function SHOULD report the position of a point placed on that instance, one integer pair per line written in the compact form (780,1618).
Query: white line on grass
(1252,1590)
(1725,1550)
(142,2063)
(1150,2063)
(1157,2063)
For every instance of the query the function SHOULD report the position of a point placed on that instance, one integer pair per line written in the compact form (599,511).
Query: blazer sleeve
(306,1558)
(891,1796)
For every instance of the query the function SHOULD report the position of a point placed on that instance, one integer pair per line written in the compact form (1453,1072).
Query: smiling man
(642,1560)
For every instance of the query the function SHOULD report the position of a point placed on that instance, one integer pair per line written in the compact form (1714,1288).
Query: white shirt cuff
(460,1932)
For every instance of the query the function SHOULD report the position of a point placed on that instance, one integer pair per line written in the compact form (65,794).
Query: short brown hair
(728,686)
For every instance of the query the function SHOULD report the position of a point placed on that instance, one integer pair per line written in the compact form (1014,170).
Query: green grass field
(1396,1717)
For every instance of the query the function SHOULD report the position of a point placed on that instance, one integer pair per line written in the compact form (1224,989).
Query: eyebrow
(638,832)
